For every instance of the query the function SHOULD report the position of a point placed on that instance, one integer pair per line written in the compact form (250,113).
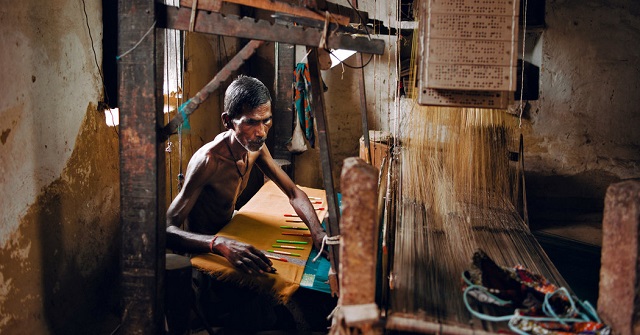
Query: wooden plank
(618,303)
(358,230)
(210,5)
(325,154)
(470,45)
(408,323)
(458,98)
(246,27)
(363,108)
(363,99)
(468,53)
(141,169)
(471,77)
(283,112)
(270,5)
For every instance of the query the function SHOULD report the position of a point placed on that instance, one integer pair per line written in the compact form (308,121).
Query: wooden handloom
(439,308)
(436,216)
(421,246)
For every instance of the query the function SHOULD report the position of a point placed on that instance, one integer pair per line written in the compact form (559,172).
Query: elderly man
(218,172)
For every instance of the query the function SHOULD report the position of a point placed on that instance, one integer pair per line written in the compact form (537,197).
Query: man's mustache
(259,141)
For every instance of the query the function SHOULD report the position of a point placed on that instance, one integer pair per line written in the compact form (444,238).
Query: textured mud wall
(582,134)
(58,172)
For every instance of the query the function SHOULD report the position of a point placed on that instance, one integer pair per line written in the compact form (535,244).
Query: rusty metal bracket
(246,27)
(193,103)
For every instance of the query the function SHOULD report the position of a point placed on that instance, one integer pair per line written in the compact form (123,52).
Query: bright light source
(112,116)
(339,55)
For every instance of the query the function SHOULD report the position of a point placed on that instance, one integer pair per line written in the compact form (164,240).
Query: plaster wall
(59,169)
(582,134)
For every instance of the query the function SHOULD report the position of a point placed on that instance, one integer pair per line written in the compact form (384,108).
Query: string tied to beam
(192,19)
(138,43)
(326,240)
(325,31)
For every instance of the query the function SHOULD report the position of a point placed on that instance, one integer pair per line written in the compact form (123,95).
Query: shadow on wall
(78,219)
(65,281)
(555,200)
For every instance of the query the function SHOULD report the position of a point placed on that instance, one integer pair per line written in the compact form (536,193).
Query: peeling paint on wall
(5,288)
(48,76)
(67,242)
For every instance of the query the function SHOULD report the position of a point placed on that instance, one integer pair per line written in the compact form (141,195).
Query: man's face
(251,127)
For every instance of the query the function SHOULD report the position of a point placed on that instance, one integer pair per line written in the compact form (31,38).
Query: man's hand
(243,256)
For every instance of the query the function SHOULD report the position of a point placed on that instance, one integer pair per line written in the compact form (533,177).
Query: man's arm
(196,178)
(297,198)
(243,256)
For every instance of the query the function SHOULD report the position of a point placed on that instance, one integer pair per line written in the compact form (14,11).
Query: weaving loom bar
(363,99)
(282,107)
(618,296)
(358,228)
(142,168)
(408,323)
(363,109)
(270,5)
(325,153)
(247,27)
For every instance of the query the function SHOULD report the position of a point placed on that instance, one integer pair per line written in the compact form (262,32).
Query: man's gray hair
(243,94)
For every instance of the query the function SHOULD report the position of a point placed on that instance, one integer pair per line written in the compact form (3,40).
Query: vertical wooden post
(142,176)
(618,298)
(363,99)
(325,153)
(358,228)
(358,244)
(283,109)
(363,109)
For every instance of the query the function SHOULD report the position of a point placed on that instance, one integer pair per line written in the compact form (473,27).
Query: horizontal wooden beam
(270,5)
(210,5)
(246,27)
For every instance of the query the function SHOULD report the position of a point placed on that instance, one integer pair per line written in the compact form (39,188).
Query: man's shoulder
(208,155)
(213,147)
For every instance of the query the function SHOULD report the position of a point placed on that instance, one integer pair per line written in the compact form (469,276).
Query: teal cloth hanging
(302,105)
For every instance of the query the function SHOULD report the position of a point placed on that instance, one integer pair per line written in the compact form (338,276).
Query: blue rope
(551,315)
(586,305)
(477,314)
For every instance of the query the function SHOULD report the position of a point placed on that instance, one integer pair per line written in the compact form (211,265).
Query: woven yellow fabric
(259,223)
